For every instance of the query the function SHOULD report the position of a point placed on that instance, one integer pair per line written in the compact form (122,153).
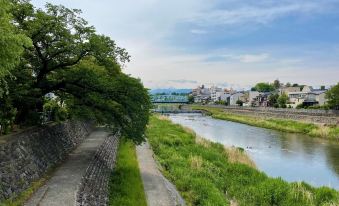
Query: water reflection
(293,157)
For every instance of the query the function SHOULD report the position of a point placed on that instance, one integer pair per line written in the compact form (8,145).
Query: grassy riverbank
(329,132)
(126,186)
(206,174)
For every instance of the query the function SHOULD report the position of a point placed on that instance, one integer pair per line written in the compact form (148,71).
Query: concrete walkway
(159,191)
(61,189)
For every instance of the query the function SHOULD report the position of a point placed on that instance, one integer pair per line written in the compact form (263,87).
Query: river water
(294,157)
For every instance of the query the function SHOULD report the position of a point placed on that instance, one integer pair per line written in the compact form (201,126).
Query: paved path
(159,191)
(61,189)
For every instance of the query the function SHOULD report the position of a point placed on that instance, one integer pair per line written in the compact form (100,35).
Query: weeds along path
(159,191)
(62,188)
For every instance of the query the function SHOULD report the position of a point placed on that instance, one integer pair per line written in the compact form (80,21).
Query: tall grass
(323,131)
(206,175)
(126,187)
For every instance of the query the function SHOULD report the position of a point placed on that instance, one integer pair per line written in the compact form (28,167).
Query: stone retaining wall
(313,116)
(94,189)
(27,156)
(311,112)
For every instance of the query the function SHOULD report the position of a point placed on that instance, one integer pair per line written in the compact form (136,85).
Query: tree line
(55,52)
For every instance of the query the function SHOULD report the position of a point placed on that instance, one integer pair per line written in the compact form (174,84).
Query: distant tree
(253,89)
(264,87)
(288,84)
(276,84)
(239,102)
(322,87)
(282,100)
(273,99)
(295,85)
(333,97)
(190,99)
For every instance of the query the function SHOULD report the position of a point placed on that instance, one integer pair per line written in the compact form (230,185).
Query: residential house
(235,97)
(262,100)
(307,97)
(287,90)
(252,96)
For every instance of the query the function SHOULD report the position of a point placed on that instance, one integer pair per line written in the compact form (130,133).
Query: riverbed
(293,157)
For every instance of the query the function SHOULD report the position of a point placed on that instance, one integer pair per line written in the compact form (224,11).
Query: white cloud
(248,58)
(143,27)
(198,31)
(252,58)
(260,13)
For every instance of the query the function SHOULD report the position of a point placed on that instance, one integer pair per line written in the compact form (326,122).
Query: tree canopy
(263,87)
(83,69)
(11,44)
(333,97)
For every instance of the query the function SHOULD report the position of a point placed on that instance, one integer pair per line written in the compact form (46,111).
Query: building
(201,94)
(216,93)
(235,97)
(287,90)
(307,97)
(252,96)
(262,100)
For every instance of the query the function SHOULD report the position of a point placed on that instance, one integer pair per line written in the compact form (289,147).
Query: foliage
(276,84)
(264,87)
(83,69)
(190,99)
(204,175)
(125,174)
(273,99)
(56,111)
(333,97)
(282,100)
(330,132)
(239,102)
(11,42)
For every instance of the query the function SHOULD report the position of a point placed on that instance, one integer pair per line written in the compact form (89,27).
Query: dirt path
(61,189)
(159,191)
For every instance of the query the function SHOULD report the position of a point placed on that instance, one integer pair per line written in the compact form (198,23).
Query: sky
(226,43)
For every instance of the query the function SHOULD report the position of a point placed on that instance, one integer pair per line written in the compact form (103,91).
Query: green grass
(126,186)
(328,132)
(204,175)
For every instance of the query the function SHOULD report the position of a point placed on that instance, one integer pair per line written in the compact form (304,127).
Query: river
(294,157)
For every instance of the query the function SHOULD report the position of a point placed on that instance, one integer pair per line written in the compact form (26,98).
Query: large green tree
(11,41)
(264,87)
(12,44)
(81,67)
(332,96)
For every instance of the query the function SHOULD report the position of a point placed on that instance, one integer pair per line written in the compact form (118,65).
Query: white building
(221,96)
(201,94)
(235,97)
(215,93)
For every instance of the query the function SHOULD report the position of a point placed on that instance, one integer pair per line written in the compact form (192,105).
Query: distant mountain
(169,91)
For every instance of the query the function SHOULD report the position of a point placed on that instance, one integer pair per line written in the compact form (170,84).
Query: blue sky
(230,43)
